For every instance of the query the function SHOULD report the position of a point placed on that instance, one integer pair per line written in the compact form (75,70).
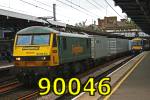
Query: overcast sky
(85,9)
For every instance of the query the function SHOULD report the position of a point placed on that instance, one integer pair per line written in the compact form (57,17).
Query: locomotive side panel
(73,49)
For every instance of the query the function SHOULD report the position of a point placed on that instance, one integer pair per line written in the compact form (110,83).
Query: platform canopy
(138,11)
(16,21)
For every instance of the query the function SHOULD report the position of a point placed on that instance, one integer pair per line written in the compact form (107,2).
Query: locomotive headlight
(43,58)
(18,58)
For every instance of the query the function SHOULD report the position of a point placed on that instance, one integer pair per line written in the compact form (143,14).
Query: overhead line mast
(42,7)
(54,11)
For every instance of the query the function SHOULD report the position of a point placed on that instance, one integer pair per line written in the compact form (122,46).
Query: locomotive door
(54,51)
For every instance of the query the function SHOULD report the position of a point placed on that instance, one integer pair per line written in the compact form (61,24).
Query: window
(137,43)
(33,39)
(54,41)
(24,39)
(64,43)
(40,39)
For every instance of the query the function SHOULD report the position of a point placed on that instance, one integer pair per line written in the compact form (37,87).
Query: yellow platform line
(124,78)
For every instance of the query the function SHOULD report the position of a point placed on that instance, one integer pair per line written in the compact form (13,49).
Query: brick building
(111,23)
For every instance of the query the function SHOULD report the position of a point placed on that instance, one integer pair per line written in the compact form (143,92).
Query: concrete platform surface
(137,85)
(5,64)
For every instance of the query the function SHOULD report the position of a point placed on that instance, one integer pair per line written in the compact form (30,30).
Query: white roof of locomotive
(72,35)
(44,30)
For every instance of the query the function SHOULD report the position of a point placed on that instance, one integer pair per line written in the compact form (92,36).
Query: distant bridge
(138,11)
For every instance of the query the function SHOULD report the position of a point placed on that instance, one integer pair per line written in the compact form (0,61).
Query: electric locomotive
(139,44)
(42,50)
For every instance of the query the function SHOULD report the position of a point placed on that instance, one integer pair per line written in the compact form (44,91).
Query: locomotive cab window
(24,39)
(40,39)
(33,39)
(137,43)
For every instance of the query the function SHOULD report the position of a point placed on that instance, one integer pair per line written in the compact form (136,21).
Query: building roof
(17,21)
(19,15)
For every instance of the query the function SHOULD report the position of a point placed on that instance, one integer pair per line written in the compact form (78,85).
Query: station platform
(137,84)
(5,65)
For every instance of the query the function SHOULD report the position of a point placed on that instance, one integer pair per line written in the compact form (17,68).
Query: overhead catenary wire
(67,5)
(36,6)
(50,6)
(42,3)
(43,8)
(105,8)
(45,4)
(74,5)
(75,8)
(113,9)
(8,7)
(98,4)
(93,4)
(80,7)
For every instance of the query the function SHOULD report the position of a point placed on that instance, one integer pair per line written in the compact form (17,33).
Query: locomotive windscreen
(42,39)
(137,43)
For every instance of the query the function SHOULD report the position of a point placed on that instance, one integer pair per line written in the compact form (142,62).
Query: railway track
(7,75)
(9,87)
(97,72)
(29,96)
(7,79)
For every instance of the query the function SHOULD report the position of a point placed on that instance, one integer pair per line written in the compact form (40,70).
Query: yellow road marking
(124,78)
